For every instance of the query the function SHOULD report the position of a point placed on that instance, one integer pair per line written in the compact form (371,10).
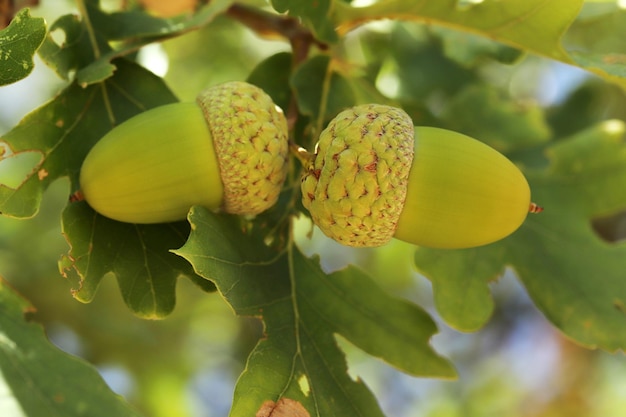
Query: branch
(274,26)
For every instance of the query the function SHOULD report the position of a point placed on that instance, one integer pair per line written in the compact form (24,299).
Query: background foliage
(540,81)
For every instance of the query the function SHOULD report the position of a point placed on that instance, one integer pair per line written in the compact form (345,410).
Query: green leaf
(320,90)
(62,132)
(421,66)
(38,379)
(75,52)
(533,25)
(469,49)
(595,40)
(599,28)
(482,112)
(302,308)
(92,58)
(313,13)
(272,75)
(18,43)
(573,276)
(138,255)
(140,29)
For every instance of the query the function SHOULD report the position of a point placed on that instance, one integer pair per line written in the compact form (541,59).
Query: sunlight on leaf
(535,25)
(141,29)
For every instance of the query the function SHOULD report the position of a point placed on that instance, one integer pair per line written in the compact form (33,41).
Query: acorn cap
(250,137)
(227,152)
(374,177)
(357,183)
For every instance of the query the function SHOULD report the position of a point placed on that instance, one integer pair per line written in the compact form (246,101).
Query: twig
(273,26)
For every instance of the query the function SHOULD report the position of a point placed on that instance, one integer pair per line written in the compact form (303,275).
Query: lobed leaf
(38,379)
(138,255)
(573,276)
(538,26)
(302,308)
(62,132)
(482,112)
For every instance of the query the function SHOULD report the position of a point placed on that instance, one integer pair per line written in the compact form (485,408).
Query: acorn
(374,177)
(228,152)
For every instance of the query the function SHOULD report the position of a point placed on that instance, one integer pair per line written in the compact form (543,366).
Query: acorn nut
(375,176)
(228,151)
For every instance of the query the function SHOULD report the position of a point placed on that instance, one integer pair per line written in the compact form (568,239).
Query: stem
(275,26)
(271,25)
(305,157)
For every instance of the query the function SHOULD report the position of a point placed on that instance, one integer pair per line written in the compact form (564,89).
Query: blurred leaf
(136,28)
(272,75)
(600,28)
(574,277)
(481,112)
(533,25)
(141,29)
(422,67)
(610,66)
(321,91)
(595,40)
(189,54)
(76,50)
(592,102)
(313,13)
(38,379)
(18,43)
(302,307)
(468,49)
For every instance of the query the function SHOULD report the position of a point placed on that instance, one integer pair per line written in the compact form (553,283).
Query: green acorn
(228,151)
(375,176)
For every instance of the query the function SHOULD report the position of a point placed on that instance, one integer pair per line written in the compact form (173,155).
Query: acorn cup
(228,152)
(375,176)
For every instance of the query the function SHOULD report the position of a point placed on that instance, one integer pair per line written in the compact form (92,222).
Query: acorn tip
(534,208)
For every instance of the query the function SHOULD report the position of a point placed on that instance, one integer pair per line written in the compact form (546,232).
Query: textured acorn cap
(250,137)
(227,152)
(357,183)
(374,177)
